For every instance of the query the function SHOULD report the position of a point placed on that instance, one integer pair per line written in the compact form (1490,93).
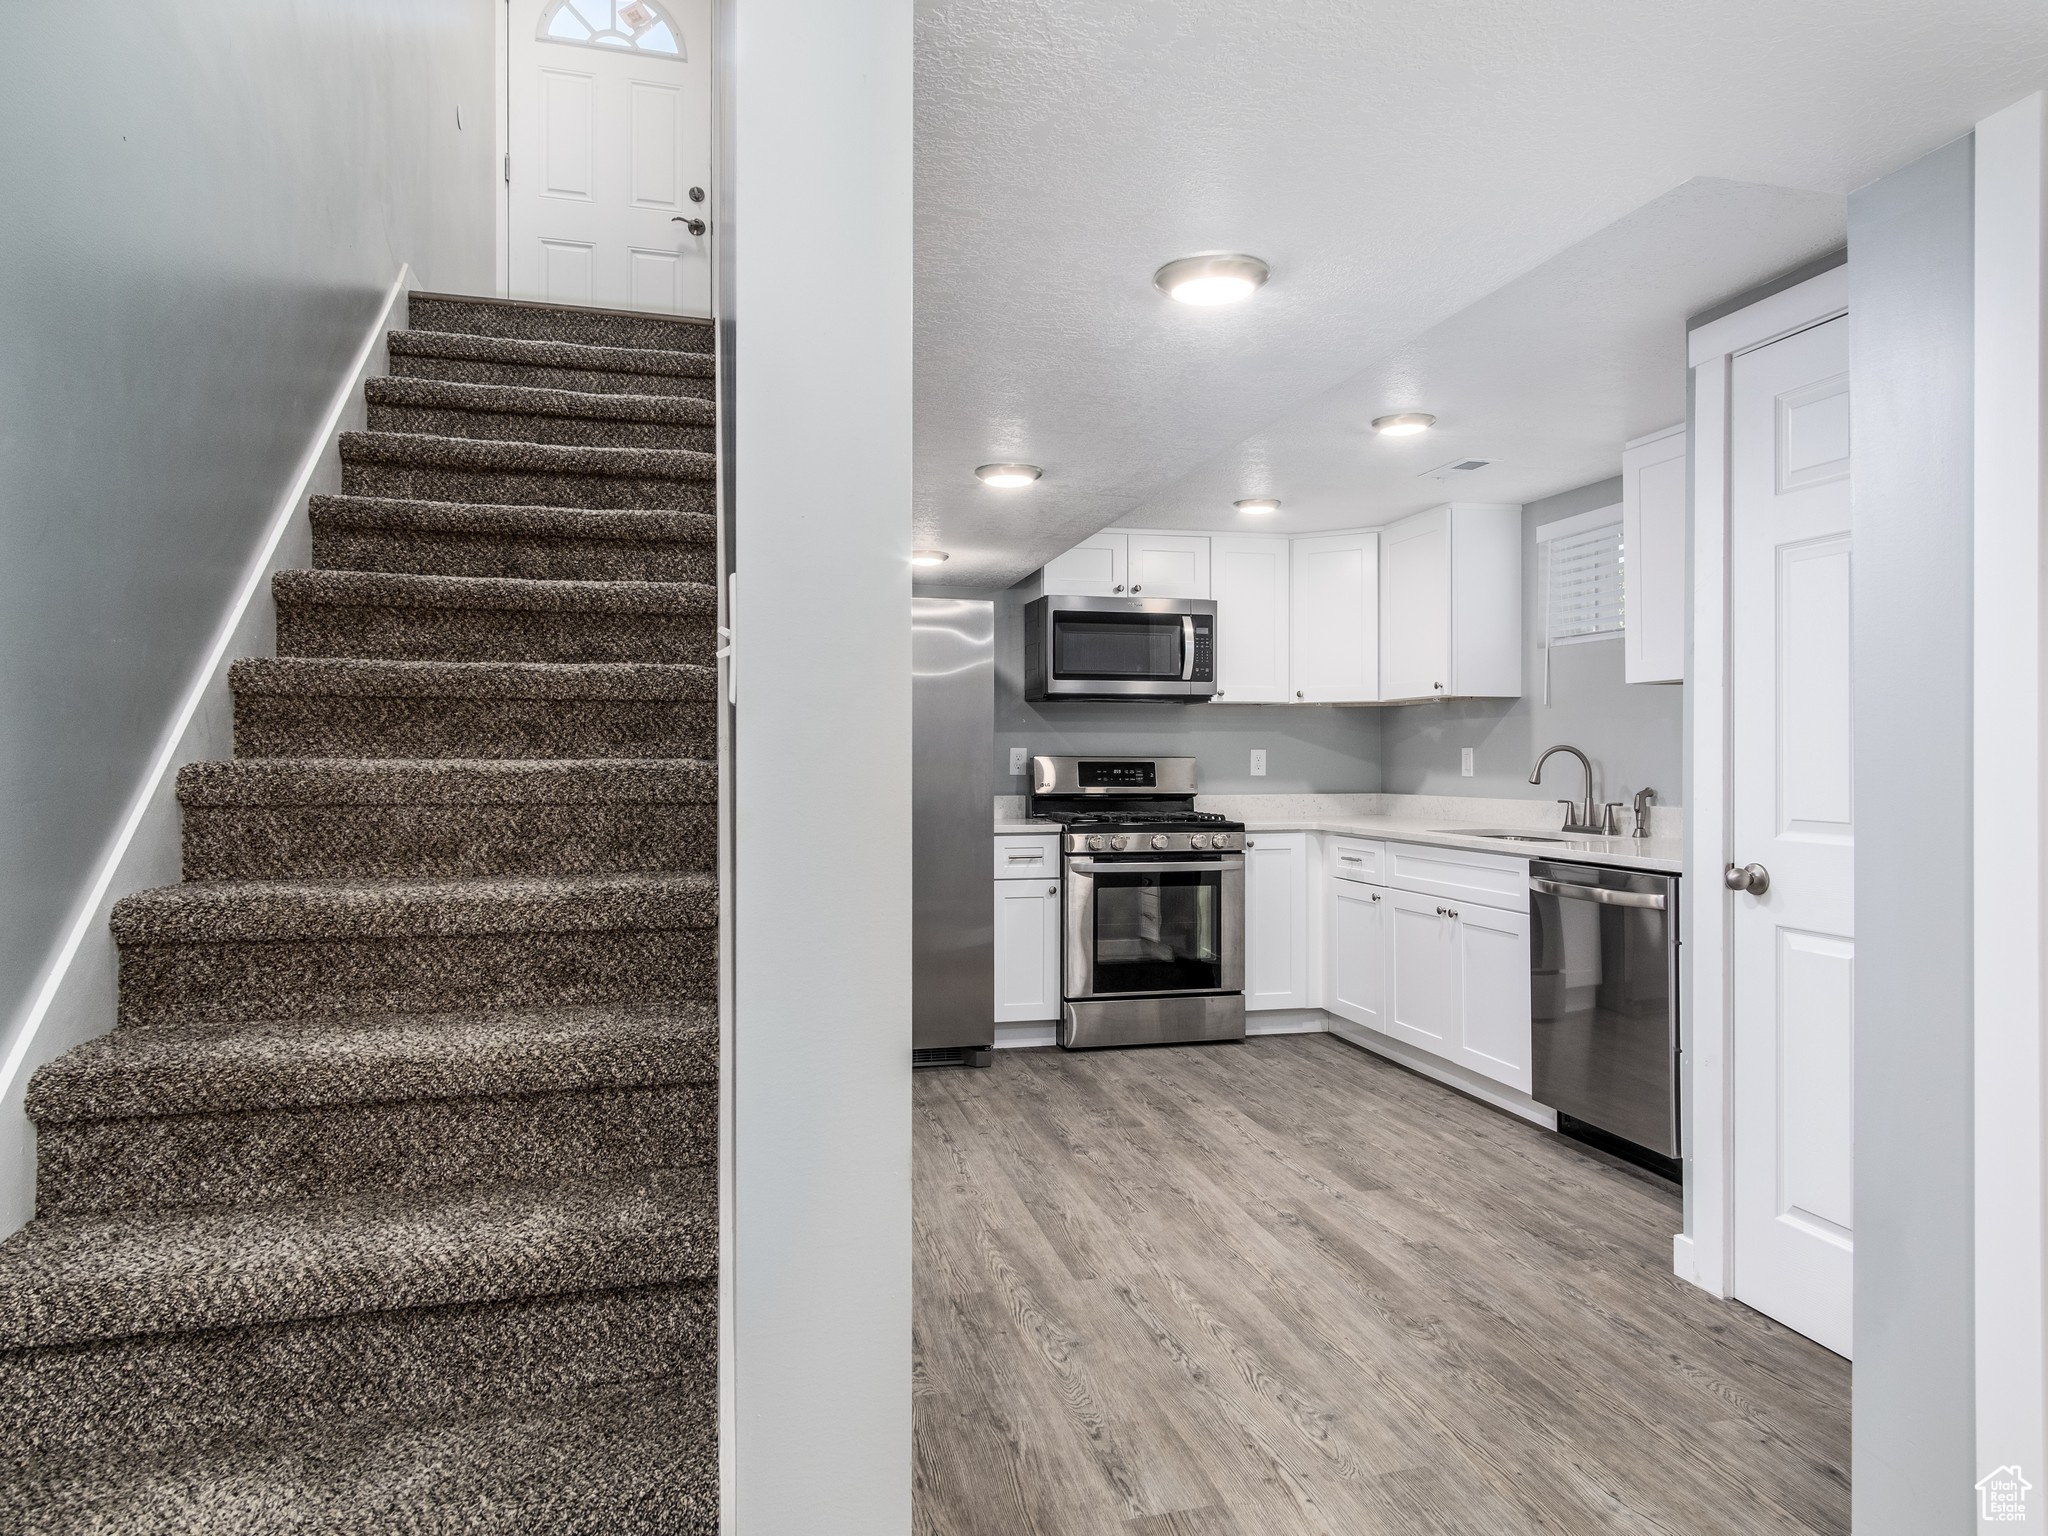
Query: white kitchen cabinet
(1494,1031)
(1276,948)
(1097,567)
(1422,973)
(1335,650)
(1450,611)
(1653,557)
(1248,580)
(1355,952)
(1167,564)
(1027,945)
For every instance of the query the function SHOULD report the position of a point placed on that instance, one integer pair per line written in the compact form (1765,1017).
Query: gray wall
(1630,731)
(817,250)
(207,201)
(1910,317)
(1325,750)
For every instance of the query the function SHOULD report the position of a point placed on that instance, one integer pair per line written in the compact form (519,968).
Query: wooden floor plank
(1288,1287)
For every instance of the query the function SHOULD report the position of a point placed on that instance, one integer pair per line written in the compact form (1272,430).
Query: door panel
(606,142)
(1493,994)
(1793,811)
(1095,568)
(1415,607)
(1276,921)
(1168,565)
(1336,629)
(1357,987)
(1248,579)
(1027,951)
(1422,973)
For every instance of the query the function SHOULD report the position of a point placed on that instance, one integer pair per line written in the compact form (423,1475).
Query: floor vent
(952,1056)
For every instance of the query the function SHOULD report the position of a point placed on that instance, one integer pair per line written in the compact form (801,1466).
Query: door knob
(694,226)
(1753,878)
(696,194)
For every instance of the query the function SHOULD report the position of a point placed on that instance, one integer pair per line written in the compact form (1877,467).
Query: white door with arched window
(609,124)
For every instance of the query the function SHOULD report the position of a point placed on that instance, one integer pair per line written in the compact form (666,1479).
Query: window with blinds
(1582,577)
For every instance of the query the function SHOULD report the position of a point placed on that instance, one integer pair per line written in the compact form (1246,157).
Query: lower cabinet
(1027,945)
(1355,952)
(1276,948)
(1448,977)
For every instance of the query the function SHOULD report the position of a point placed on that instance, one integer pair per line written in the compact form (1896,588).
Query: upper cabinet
(1336,619)
(1451,604)
(1653,556)
(1098,567)
(1430,608)
(1248,578)
(1168,564)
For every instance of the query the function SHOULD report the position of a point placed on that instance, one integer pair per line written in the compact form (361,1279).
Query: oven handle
(1163,866)
(1187,648)
(1597,893)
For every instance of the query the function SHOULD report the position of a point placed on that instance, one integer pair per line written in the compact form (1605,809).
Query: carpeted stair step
(529,321)
(303,707)
(234,950)
(446,538)
(639,1459)
(102,1277)
(382,818)
(491,618)
(424,468)
(115,1401)
(156,1119)
(549,364)
(502,412)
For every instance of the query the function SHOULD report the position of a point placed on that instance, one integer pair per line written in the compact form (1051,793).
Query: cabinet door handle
(1439,687)
(1117,588)
(1375,895)
(1052,890)
(1300,693)
(1136,589)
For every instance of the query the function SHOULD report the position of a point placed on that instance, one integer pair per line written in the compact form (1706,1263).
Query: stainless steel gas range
(1153,927)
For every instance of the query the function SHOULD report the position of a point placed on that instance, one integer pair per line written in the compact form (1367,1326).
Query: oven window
(1109,647)
(1158,932)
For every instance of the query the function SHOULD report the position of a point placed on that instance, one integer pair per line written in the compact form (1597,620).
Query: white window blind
(1582,577)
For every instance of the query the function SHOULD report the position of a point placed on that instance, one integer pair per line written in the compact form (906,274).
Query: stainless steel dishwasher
(1603,957)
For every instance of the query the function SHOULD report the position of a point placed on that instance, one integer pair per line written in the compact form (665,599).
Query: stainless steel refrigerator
(953,730)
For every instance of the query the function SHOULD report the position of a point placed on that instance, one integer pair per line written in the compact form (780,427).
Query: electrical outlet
(1020,760)
(1258,762)
(1465,761)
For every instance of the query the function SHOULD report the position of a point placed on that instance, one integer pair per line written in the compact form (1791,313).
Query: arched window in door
(634,26)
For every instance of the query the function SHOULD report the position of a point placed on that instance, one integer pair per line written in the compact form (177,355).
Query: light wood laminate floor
(1288,1287)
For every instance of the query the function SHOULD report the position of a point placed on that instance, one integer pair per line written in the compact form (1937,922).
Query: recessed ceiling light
(1257,504)
(1007,477)
(1220,277)
(1407,424)
(928,557)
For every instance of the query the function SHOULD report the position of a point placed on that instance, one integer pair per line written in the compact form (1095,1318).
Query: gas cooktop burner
(1139,818)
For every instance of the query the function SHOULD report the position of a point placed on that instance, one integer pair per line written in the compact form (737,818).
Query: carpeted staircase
(391,1203)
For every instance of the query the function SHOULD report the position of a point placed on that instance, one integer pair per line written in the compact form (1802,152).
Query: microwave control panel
(1205,650)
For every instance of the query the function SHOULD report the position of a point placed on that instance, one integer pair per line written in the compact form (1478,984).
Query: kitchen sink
(1502,833)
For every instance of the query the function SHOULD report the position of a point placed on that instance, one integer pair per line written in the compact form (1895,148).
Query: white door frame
(1704,1252)
(501,127)
(2007,768)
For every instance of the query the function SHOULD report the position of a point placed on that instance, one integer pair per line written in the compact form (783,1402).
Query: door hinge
(508,169)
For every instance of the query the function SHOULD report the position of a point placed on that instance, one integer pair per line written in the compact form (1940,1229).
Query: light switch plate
(1020,760)
(1465,761)
(1258,762)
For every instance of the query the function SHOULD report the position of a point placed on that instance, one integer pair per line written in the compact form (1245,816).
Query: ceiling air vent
(1455,467)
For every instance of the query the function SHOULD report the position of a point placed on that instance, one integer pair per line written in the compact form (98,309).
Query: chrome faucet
(1584,816)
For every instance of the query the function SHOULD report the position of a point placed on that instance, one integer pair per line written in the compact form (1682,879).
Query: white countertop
(1434,821)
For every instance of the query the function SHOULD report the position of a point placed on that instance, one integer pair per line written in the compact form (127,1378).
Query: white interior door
(609,107)
(1792,813)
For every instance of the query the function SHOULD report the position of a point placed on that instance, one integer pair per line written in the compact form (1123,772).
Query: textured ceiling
(1396,165)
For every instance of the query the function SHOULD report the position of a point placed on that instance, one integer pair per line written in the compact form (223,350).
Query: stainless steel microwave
(1119,648)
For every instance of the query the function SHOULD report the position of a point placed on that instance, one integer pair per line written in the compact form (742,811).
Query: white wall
(207,203)
(817,273)
(1631,731)
(1910,314)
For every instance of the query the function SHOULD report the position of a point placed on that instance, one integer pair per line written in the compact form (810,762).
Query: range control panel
(1154,842)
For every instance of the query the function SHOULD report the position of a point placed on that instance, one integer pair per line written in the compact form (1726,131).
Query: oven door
(1154,927)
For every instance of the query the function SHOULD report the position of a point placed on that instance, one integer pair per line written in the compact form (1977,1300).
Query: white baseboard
(77,993)
(1020,1037)
(1286,1021)
(1451,1075)
(1685,1264)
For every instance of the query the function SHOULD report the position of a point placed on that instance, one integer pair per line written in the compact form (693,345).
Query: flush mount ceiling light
(1007,477)
(1220,277)
(1407,424)
(928,557)
(1260,504)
